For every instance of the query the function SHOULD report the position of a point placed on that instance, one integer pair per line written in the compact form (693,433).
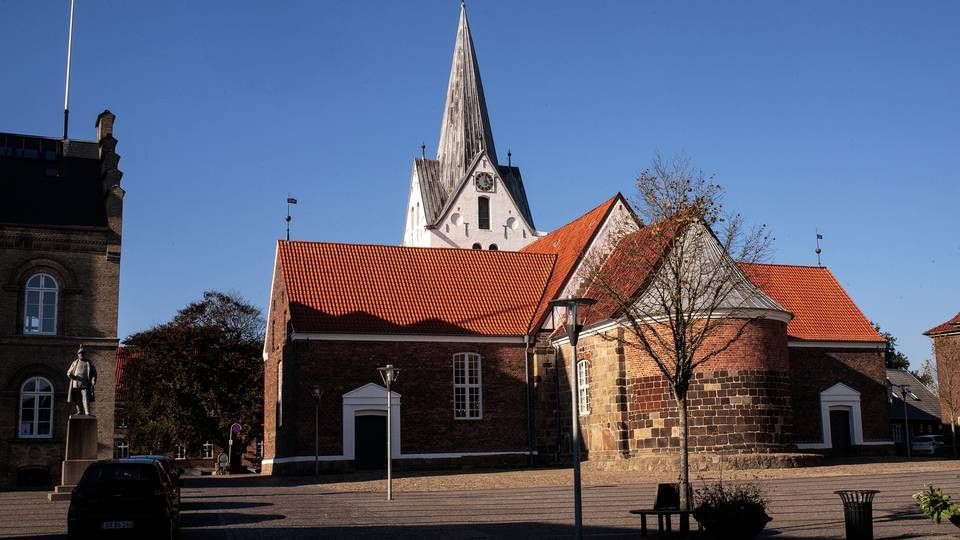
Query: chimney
(104,124)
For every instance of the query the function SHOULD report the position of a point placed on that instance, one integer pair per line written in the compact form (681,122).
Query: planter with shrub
(731,511)
(936,505)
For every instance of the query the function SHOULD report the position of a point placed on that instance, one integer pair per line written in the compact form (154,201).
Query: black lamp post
(389,375)
(573,327)
(317,394)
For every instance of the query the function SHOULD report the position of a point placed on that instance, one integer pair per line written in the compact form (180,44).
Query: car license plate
(116,525)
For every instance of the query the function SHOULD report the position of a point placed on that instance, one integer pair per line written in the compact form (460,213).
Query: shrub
(717,501)
(935,504)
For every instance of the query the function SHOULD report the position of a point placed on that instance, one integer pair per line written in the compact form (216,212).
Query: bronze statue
(83,378)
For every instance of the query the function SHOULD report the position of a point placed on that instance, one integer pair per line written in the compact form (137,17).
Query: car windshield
(119,472)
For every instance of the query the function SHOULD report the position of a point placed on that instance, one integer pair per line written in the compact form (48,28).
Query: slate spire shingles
(465,130)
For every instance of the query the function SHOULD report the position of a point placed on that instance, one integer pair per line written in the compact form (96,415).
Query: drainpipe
(526,379)
(556,405)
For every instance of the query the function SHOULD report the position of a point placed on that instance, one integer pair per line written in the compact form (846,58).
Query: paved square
(263,507)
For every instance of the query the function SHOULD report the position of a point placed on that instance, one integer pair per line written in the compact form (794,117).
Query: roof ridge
(407,248)
(811,266)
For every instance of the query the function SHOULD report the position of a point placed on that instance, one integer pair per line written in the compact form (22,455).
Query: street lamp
(904,390)
(573,327)
(389,375)
(317,394)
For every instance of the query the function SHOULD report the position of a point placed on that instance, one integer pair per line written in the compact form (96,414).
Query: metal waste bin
(858,512)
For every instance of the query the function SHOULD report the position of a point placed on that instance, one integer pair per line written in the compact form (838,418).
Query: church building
(485,372)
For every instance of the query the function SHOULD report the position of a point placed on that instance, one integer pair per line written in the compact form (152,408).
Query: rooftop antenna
(819,238)
(290,200)
(509,158)
(423,151)
(66,91)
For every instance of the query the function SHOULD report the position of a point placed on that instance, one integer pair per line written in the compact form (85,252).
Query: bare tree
(693,300)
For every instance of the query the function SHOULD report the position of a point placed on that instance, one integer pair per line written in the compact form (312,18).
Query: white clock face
(484,182)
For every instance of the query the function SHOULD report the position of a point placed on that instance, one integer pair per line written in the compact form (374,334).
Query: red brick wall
(947,351)
(739,400)
(813,370)
(425,385)
(275,340)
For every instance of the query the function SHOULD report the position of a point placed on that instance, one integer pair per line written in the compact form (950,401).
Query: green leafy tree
(894,358)
(190,378)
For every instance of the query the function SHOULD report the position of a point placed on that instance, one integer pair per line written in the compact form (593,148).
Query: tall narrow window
(583,387)
(40,305)
(121,449)
(36,409)
(207,452)
(280,393)
(181,452)
(467,404)
(483,212)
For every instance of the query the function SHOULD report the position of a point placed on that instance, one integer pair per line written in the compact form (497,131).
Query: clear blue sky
(842,116)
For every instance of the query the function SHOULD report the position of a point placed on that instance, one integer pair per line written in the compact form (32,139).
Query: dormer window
(483,213)
(40,305)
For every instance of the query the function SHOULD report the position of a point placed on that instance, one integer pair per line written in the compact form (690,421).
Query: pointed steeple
(465,130)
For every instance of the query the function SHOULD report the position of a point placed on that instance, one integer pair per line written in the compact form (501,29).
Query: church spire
(465,130)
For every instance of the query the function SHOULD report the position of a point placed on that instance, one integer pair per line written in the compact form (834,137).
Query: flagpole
(66,91)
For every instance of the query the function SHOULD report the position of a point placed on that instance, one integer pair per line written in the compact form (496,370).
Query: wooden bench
(666,505)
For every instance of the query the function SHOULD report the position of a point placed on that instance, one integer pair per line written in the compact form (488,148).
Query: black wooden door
(840,431)
(371,442)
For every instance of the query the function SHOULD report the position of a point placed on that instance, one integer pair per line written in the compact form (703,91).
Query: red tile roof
(953,325)
(377,289)
(822,310)
(569,243)
(626,272)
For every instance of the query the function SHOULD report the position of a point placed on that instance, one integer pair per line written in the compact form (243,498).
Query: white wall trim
(315,336)
(450,455)
(837,345)
(273,280)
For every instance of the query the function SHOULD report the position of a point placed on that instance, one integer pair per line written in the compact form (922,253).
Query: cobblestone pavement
(521,504)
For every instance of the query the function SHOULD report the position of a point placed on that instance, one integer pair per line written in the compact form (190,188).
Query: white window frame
(583,387)
(259,448)
(280,393)
(35,423)
(471,362)
(180,451)
(121,449)
(207,450)
(41,291)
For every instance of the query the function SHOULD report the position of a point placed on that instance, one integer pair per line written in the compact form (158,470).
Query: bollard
(858,512)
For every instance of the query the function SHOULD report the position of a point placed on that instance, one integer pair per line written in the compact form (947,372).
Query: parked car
(133,496)
(928,444)
(173,472)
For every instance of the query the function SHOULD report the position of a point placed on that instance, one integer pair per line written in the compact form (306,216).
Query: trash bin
(858,512)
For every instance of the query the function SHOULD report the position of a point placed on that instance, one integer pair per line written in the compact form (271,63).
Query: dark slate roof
(435,197)
(432,192)
(923,405)
(514,182)
(39,185)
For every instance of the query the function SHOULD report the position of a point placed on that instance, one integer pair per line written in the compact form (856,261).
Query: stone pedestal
(81,452)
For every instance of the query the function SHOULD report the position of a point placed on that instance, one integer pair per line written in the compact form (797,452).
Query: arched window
(467,397)
(477,246)
(36,408)
(483,213)
(583,387)
(493,247)
(40,305)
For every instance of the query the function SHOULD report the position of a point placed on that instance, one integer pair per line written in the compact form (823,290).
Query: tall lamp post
(389,375)
(317,394)
(573,328)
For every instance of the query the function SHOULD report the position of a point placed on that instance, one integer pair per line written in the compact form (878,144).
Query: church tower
(465,198)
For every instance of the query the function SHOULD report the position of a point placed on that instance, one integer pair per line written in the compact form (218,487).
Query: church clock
(484,182)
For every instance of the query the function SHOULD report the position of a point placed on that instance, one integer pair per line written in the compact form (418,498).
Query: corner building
(60,236)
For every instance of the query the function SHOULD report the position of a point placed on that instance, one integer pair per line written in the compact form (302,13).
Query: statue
(83,377)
